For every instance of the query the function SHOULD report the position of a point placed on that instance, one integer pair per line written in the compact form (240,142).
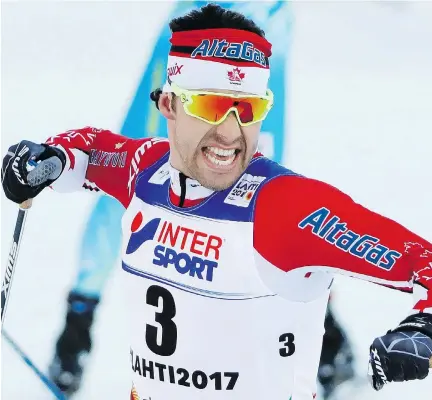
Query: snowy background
(360,117)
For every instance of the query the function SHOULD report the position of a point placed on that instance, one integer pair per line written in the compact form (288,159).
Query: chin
(218,182)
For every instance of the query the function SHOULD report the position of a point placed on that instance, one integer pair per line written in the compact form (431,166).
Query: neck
(186,191)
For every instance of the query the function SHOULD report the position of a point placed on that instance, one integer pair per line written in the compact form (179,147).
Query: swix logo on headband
(223,49)
(174,70)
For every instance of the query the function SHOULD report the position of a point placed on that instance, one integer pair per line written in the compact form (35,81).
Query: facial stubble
(193,170)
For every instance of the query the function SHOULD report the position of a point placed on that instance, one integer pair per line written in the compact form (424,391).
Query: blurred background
(359,116)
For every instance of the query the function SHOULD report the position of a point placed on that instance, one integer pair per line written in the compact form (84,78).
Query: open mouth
(220,157)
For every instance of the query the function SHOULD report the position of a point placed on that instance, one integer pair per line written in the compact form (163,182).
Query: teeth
(215,161)
(221,152)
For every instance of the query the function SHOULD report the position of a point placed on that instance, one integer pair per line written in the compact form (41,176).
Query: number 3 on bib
(288,348)
(168,344)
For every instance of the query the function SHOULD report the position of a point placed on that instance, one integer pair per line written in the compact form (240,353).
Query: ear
(165,106)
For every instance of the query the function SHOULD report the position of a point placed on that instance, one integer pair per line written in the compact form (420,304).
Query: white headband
(219,59)
(189,73)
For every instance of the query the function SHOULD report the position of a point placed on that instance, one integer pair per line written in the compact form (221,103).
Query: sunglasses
(214,107)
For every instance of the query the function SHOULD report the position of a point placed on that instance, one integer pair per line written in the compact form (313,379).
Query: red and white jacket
(115,161)
(273,241)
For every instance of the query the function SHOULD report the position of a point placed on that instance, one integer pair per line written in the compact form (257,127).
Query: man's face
(214,155)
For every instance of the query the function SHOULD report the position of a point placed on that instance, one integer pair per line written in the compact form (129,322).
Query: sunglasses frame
(185,96)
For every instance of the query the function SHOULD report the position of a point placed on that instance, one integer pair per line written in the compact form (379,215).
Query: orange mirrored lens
(213,108)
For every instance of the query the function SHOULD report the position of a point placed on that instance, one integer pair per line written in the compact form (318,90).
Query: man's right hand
(28,168)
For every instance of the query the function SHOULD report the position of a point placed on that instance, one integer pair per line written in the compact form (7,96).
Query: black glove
(404,353)
(28,168)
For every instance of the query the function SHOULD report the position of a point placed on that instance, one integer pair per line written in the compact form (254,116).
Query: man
(221,245)
(99,252)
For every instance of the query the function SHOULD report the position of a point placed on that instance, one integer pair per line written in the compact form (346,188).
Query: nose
(229,129)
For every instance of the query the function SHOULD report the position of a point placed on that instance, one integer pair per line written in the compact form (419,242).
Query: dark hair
(208,17)
(214,16)
(155,95)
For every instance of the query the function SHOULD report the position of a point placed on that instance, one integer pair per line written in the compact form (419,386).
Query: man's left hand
(404,353)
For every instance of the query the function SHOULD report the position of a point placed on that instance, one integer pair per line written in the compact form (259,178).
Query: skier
(227,256)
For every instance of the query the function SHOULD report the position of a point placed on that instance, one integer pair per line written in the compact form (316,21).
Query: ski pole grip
(25,205)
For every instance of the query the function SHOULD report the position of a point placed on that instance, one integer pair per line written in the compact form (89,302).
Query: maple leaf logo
(236,75)
(411,247)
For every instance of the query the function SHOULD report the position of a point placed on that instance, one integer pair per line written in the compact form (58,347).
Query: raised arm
(100,160)
(88,158)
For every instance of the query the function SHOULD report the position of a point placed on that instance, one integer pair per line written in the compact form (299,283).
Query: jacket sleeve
(100,160)
(315,227)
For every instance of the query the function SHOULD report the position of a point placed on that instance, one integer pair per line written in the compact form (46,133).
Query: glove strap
(420,322)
